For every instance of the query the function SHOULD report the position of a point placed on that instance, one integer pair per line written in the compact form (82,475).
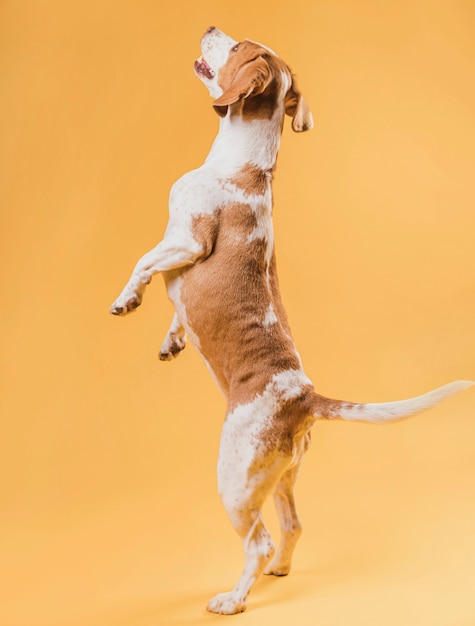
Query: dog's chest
(208,188)
(221,209)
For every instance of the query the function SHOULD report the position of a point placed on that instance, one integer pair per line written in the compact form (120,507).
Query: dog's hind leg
(246,475)
(290,526)
(258,547)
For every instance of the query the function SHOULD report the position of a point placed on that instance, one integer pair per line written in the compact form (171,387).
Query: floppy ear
(297,108)
(251,79)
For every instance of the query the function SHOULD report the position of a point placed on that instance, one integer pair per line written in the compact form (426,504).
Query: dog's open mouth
(202,68)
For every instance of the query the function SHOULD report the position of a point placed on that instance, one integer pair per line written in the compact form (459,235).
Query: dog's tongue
(201,67)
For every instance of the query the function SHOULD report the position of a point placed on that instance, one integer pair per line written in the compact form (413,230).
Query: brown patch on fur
(280,311)
(326,407)
(291,422)
(204,228)
(262,106)
(226,297)
(252,179)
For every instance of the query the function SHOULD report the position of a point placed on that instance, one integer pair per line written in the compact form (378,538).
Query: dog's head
(249,79)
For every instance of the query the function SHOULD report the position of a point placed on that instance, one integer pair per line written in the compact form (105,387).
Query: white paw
(226,604)
(277,569)
(279,566)
(126,302)
(171,347)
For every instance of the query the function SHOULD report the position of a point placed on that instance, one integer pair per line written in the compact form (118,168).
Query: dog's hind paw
(277,570)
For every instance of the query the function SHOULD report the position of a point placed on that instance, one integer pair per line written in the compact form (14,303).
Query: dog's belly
(231,309)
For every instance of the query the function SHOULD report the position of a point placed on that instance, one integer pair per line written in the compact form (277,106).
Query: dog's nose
(210,29)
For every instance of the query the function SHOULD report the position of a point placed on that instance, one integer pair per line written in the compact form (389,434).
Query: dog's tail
(379,413)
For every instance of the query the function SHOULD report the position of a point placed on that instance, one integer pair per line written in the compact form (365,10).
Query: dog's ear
(251,79)
(297,108)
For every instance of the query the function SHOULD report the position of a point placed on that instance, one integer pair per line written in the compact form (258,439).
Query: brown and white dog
(217,258)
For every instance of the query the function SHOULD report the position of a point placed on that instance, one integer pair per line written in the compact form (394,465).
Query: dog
(217,258)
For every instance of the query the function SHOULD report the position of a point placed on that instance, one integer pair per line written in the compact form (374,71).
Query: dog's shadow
(188,608)
(355,569)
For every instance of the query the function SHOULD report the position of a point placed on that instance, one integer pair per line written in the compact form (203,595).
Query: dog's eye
(235,48)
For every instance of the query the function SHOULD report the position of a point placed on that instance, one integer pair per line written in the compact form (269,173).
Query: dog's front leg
(166,256)
(174,342)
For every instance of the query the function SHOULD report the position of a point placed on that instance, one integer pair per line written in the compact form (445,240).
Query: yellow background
(109,511)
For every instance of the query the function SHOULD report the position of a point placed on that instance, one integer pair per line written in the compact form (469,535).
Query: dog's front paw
(125,303)
(172,346)
(226,604)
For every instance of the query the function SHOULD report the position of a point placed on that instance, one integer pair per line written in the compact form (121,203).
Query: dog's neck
(240,142)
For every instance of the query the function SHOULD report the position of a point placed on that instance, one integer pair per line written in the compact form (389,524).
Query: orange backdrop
(109,511)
